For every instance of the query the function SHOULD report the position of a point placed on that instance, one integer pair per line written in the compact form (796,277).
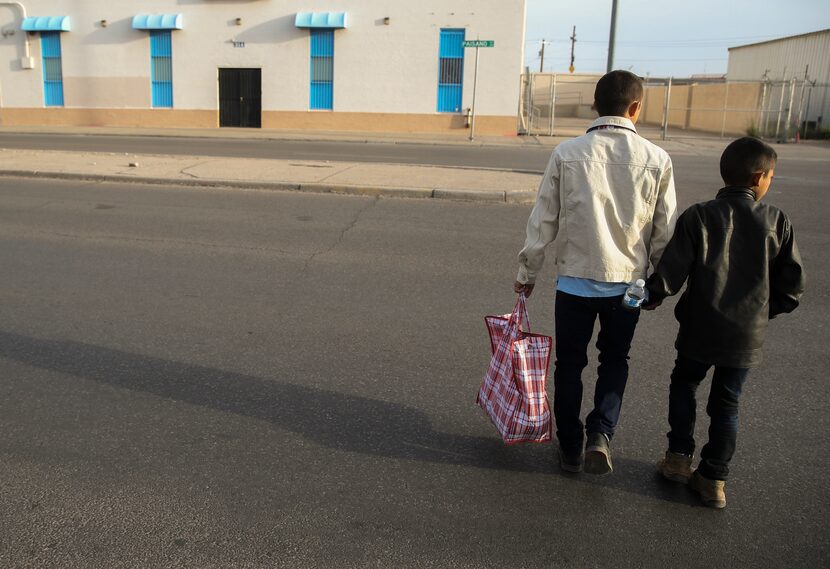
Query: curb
(510,196)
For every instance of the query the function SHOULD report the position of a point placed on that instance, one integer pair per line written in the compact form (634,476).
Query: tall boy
(742,267)
(607,199)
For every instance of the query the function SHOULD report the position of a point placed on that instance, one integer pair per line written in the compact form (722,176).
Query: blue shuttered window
(321,95)
(161,67)
(450,70)
(52,74)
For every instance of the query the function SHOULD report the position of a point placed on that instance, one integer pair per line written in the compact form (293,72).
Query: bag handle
(519,313)
(514,322)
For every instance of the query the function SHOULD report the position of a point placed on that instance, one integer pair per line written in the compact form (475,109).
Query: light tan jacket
(607,200)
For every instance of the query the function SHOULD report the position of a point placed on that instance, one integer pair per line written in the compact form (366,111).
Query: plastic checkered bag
(513,391)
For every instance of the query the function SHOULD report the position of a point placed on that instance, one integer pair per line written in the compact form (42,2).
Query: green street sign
(479,43)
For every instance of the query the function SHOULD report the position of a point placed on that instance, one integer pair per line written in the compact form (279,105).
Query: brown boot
(676,467)
(711,491)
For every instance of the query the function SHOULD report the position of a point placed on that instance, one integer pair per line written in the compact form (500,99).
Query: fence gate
(545,97)
(537,103)
(790,107)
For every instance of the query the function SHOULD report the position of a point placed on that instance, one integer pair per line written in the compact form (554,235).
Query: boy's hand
(651,305)
(526,288)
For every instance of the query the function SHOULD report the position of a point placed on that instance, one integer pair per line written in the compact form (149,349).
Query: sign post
(476,44)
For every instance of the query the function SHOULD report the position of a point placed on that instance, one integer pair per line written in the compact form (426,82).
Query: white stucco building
(383,65)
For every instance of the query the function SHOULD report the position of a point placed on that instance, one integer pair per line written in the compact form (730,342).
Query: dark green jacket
(742,265)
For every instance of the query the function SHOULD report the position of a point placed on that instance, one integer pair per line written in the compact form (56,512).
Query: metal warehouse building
(379,65)
(800,65)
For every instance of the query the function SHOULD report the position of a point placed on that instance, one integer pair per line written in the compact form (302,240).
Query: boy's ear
(634,110)
(755,179)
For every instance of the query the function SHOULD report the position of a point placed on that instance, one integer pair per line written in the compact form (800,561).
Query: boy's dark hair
(744,157)
(616,91)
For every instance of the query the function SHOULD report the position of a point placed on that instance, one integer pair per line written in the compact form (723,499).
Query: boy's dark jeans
(575,317)
(722,409)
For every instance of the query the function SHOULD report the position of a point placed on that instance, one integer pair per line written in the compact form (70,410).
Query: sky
(660,38)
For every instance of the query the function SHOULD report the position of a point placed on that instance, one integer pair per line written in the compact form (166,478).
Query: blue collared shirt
(589,287)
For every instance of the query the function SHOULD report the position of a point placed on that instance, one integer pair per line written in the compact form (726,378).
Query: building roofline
(827,30)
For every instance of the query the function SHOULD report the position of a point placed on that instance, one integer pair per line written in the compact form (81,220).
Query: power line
(635,59)
(665,42)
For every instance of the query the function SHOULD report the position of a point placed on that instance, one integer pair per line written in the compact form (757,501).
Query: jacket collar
(612,122)
(736,192)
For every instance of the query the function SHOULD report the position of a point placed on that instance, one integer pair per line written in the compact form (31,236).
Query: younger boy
(742,267)
(607,201)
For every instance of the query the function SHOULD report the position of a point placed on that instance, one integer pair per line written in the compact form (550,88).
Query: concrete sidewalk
(373,179)
(369,179)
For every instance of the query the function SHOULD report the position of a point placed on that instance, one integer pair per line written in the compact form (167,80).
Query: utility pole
(573,41)
(612,38)
(542,53)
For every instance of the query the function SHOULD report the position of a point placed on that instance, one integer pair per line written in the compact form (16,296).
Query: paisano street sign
(476,44)
(479,43)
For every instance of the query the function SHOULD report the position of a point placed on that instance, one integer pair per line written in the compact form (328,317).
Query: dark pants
(722,410)
(575,317)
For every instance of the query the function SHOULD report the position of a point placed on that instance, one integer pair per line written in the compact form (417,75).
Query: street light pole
(612,39)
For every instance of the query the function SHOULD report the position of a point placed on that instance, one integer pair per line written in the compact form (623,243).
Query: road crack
(340,238)
(194,176)
(336,173)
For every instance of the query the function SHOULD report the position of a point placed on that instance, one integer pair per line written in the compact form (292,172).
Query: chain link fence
(777,109)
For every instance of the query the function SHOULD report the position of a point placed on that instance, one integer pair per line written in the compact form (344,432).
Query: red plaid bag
(513,391)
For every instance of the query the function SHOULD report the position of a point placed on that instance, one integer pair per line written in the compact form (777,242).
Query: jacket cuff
(523,276)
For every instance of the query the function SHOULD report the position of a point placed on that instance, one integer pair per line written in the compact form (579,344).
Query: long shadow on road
(336,420)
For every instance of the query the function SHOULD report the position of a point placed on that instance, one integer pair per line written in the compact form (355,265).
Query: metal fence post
(800,110)
(762,116)
(530,109)
(666,109)
(789,110)
(780,110)
(725,105)
(807,106)
(526,114)
(519,117)
(552,103)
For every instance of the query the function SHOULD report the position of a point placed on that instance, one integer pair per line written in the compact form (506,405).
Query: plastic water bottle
(634,295)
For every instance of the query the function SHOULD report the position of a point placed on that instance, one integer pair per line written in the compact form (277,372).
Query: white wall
(377,68)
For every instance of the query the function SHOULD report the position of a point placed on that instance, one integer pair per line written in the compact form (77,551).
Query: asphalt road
(207,378)
(517,158)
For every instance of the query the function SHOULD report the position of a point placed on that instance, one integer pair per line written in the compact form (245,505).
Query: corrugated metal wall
(782,59)
(799,58)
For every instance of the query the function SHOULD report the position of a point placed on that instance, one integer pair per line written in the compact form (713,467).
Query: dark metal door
(240,97)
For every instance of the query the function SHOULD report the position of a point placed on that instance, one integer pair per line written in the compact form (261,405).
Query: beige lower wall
(151,118)
(283,120)
(387,122)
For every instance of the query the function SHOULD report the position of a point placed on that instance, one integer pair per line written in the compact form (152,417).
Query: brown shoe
(598,454)
(676,467)
(711,491)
